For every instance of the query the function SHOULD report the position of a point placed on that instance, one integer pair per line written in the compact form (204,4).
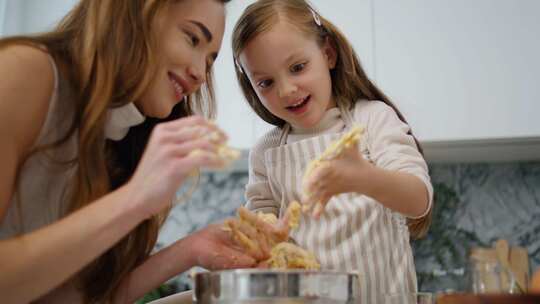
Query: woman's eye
(298,67)
(264,83)
(209,65)
(193,38)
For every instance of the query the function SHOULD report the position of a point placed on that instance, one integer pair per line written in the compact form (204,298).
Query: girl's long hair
(349,80)
(106,50)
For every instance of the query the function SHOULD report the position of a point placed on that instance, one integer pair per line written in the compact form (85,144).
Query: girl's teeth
(298,103)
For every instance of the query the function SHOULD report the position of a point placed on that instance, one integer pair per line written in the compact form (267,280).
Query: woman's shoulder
(22,59)
(25,94)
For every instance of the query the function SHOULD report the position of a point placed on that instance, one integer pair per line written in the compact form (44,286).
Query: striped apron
(355,233)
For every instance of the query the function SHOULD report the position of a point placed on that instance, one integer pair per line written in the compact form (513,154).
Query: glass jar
(487,275)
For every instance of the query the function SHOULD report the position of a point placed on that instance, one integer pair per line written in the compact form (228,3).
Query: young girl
(80,204)
(299,73)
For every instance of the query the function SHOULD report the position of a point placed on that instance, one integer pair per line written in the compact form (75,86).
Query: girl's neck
(327,121)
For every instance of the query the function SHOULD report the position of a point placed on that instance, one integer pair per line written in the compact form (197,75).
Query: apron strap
(346,115)
(284,133)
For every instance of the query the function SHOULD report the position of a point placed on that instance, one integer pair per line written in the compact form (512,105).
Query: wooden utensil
(488,299)
(519,263)
(503,255)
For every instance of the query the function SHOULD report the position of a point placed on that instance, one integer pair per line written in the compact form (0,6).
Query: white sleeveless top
(355,233)
(43,181)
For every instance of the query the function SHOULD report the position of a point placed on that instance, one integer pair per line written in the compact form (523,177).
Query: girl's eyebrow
(207,34)
(292,57)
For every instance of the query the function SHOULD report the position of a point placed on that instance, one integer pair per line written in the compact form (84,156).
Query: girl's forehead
(281,35)
(275,48)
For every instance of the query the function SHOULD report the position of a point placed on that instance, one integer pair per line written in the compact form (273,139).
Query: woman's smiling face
(189,35)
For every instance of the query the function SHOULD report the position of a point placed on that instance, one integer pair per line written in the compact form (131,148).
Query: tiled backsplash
(475,205)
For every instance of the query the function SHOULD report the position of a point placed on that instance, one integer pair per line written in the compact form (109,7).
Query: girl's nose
(286,88)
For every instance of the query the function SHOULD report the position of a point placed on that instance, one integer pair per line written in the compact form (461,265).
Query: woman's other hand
(213,248)
(256,236)
(174,150)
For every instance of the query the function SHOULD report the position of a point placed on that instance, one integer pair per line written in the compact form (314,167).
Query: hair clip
(238,66)
(316,17)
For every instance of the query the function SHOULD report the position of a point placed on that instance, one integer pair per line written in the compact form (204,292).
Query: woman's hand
(169,158)
(256,236)
(345,173)
(213,248)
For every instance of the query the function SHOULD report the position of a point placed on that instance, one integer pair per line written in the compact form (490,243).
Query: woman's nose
(197,72)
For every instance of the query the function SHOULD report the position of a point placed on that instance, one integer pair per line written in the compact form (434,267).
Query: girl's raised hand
(341,174)
(174,150)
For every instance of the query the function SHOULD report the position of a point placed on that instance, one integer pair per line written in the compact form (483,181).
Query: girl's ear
(330,53)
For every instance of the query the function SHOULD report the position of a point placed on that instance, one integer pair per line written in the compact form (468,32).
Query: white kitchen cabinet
(461,71)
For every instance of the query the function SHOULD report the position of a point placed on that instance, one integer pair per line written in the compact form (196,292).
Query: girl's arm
(398,179)
(399,191)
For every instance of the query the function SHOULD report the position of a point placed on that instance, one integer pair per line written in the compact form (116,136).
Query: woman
(80,203)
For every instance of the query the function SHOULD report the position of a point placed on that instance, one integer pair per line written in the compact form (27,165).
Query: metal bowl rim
(246,271)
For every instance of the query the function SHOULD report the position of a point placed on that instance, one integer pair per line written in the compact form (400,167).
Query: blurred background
(464,74)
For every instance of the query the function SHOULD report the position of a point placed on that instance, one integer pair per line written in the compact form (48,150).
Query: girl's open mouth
(301,106)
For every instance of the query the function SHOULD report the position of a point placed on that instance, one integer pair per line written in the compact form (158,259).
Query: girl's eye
(298,67)
(264,83)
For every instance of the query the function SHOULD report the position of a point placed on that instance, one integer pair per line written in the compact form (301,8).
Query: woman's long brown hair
(106,50)
(349,80)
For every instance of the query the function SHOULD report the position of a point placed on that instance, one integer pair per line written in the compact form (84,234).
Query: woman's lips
(177,87)
(300,107)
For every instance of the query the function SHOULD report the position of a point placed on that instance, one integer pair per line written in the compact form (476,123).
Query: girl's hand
(342,174)
(214,249)
(169,159)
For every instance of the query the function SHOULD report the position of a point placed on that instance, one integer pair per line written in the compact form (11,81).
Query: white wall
(3,4)
(40,15)
(31,16)
(12,21)
(234,114)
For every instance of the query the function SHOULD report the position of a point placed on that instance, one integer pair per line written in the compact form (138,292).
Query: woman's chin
(160,113)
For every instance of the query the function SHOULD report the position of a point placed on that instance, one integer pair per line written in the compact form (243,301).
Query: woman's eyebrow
(203,29)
